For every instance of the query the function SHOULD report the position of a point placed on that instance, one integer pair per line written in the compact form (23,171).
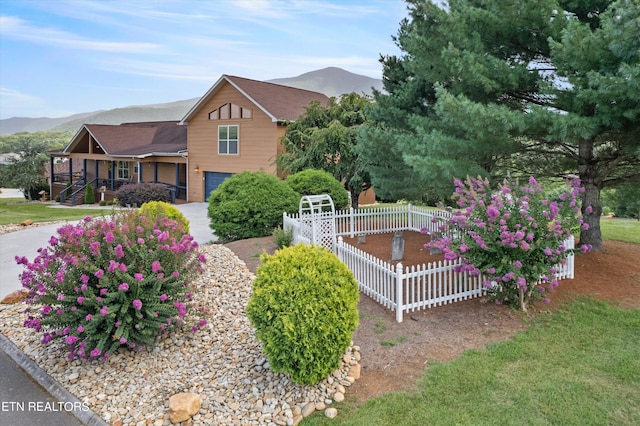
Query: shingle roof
(138,139)
(277,101)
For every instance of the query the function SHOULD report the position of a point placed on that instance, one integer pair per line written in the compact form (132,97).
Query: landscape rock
(354,371)
(14,297)
(308,409)
(183,405)
(331,412)
(26,222)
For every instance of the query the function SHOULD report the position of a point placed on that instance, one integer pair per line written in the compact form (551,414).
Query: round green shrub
(249,204)
(304,306)
(314,182)
(160,209)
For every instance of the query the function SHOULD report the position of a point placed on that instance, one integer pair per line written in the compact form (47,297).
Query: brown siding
(258,140)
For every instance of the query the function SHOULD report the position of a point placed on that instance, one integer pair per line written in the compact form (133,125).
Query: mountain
(331,81)
(23,124)
(156,112)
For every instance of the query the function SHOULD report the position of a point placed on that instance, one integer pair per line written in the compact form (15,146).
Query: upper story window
(123,170)
(230,111)
(228,140)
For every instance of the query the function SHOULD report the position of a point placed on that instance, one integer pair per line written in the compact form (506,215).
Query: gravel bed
(223,363)
(5,229)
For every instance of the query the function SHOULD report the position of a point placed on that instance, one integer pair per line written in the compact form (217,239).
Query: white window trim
(121,167)
(237,140)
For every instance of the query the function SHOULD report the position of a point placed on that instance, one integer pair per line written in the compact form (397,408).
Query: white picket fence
(353,222)
(398,288)
(407,289)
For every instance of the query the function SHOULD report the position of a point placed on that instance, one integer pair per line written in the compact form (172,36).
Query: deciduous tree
(324,138)
(26,170)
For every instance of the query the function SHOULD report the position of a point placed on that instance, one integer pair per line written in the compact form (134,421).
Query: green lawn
(627,230)
(17,210)
(576,366)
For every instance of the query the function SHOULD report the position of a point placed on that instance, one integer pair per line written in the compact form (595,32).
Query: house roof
(281,103)
(135,139)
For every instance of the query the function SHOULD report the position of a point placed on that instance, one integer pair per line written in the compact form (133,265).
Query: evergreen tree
(324,138)
(497,88)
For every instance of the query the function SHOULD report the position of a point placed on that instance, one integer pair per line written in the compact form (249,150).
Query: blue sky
(63,57)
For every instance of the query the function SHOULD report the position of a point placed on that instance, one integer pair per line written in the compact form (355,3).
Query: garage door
(212,180)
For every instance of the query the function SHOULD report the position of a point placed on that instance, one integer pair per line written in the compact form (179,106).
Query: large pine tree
(497,88)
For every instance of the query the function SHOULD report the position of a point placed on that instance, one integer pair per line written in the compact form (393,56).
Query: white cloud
(19,29)
(14,103)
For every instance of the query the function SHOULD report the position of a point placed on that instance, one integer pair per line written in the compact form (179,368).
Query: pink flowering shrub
(102,284)
(513,236)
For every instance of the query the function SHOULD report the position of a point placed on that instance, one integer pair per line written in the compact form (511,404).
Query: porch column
(96,164)
(177,174)
(51,179)
(140,179)
(155,171)
(84,171)
(112,174)
(71,170)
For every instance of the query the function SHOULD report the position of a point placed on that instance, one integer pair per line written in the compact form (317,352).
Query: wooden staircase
(68,201)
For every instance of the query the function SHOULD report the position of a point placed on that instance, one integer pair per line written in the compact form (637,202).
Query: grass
(17,210)
(576,366)
(627,230)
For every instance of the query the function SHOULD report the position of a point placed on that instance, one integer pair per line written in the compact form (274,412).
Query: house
(112,155)
(236,126)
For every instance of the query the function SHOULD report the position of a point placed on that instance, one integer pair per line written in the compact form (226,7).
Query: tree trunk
(592,183)
(354,197)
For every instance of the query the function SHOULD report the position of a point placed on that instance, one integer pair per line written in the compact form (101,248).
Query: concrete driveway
(28,241)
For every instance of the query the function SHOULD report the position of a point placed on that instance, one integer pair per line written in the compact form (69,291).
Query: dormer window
(230,111)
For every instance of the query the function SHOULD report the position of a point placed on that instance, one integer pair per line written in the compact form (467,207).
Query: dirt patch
(395,354)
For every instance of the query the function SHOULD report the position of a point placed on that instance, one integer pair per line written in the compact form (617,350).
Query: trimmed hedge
(249,204)
(139,193)
(315,182)
(304,306)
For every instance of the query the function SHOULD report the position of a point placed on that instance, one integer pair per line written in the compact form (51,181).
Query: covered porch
(107,175)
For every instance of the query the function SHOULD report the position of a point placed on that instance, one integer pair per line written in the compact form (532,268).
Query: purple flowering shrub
(102,284)
(513,236)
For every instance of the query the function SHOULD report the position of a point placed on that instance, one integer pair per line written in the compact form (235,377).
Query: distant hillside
(157,112)
(31,125)
(331,81)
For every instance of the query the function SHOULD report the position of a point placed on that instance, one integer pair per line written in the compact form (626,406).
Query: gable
(278,102)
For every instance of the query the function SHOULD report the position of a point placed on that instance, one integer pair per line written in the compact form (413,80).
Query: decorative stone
(14,297)
(183,405)
(434,250)
(397,246)
(354,371)
(294,421)
(320,406)
(331,412)
(308,409)
(26,222)
(338,397)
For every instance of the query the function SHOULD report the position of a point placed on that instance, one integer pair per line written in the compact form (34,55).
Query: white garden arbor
(317,220)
